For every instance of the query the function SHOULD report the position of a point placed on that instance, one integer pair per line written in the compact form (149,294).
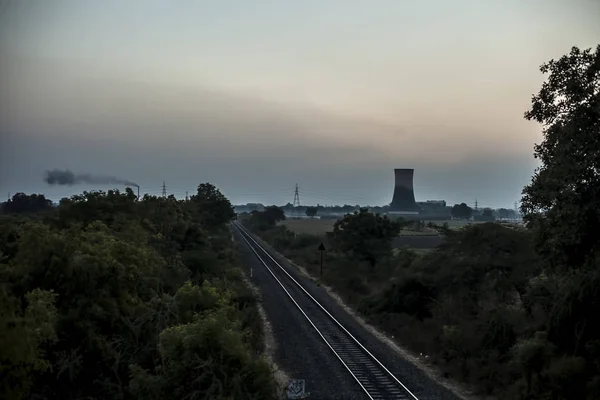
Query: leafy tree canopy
(366,235)
(562,199)
(100,297)
(267,218)
(213,208)
(22,203)
(461,211)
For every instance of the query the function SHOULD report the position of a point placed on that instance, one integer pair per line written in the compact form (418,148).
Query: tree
(22,333)
(506,213)
(365,235)
(311,211)
(268,218)
(22,203)
(99,297)
(273,214)
(462,211)
(562,198)
(487,215)
(562,208)
(211,206)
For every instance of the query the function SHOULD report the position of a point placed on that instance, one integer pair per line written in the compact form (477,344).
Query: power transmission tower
(296,197)
(164,190)
(186,195)
(476,204)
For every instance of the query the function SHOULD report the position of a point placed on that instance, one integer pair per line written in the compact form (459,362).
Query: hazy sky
(255,96)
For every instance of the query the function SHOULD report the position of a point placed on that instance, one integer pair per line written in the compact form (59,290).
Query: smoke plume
(66,177)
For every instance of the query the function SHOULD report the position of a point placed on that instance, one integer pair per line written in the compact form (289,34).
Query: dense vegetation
(110,297)
(514,312)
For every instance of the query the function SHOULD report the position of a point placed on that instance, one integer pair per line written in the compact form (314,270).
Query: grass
(420,252)
(310,226)
(320,226)
(456,223)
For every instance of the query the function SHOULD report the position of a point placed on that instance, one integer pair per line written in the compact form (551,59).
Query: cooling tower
(404,195)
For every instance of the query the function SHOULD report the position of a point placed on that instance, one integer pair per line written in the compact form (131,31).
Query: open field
(455,223)
(321,226)
(421,251)
(416,240)
(310,226)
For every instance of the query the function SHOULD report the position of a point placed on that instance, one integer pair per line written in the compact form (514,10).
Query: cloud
(86,119)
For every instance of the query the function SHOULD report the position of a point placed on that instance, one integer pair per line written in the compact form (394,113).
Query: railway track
(371,375)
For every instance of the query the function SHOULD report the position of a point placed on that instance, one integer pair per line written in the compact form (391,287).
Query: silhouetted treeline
(22,203)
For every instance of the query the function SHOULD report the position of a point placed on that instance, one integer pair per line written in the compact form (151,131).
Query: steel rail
(372,376)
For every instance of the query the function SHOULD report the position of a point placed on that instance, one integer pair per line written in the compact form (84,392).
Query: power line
(315,196)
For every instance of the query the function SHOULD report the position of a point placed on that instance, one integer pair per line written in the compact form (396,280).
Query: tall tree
(365,235)
(268,218)
(22,203)
(562,199)
(212,207)
(562,206)
(462,211)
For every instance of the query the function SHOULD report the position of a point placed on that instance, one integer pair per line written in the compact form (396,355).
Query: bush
(112,297)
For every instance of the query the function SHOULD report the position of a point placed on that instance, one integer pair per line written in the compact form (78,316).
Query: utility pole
(321,249)
(164,190)
(296,197)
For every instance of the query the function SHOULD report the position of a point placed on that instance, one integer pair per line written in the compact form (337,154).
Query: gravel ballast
(300,352)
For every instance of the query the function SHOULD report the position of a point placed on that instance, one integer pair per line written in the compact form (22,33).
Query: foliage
(461,211)
(561,205)
(23,332)
(487,215)
(266,219)
(562,197)
(465,304)
(505,213)
(213,209)
(22,203)
(365,235)
(311,211)
(513,312)
(99,298)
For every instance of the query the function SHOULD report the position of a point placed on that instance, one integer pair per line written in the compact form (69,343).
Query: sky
(256,96)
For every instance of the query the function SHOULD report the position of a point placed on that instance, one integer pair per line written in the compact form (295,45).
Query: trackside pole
(321,249)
